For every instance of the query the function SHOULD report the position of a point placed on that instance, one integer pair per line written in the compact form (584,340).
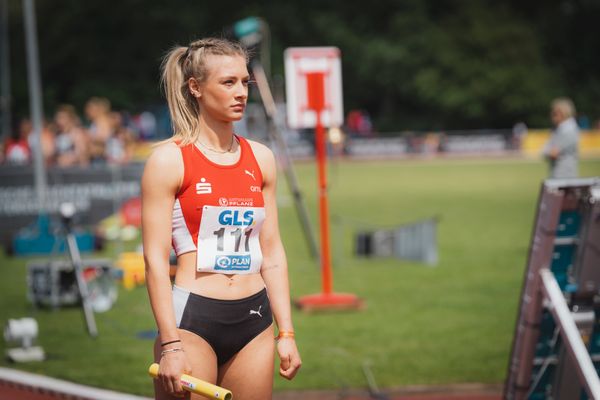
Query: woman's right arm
(161,181)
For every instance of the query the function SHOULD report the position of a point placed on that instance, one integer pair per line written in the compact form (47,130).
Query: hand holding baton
(197,386)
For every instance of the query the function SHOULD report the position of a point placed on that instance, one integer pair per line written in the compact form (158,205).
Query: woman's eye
(228,82)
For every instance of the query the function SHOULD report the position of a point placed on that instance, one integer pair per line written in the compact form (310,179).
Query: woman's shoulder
(265,159)
(260,150)
(164,168)
(166,154)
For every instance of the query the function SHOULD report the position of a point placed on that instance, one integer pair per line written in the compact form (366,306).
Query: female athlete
(210,195)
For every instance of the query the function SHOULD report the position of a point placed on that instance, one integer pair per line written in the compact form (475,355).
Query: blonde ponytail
(182,105)
(178,66)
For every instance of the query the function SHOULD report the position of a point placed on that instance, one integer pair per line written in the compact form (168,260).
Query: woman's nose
(241,90)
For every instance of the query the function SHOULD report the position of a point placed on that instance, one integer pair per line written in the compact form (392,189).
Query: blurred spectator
(71,139)
(145,124)
(519,131)
(358,123)
(16,147)
(97,110)
(431,143)
(47,139)
(561,150)
(119,146)
(416,143)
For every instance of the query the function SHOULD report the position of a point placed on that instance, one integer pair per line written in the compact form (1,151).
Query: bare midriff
(215,285)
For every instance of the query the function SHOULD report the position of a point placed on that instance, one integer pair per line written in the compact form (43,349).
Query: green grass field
(422,325)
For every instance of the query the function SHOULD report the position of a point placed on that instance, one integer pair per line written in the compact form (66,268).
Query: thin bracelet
(285,334)
(162,353)
(171,342)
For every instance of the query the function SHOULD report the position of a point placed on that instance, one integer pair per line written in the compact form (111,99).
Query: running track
(17,385)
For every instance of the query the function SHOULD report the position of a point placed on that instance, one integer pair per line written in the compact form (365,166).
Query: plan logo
(233,263)
(203,187)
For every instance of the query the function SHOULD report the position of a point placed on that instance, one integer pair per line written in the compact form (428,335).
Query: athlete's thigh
(201,357)
(249,374)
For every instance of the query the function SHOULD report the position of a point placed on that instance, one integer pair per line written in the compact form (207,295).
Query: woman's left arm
(274,268)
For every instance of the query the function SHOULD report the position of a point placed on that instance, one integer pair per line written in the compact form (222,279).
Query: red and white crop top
(219,211)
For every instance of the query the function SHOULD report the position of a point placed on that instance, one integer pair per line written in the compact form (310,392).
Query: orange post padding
(327,299)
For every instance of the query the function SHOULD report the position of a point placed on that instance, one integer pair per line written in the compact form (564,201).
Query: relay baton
(197,386)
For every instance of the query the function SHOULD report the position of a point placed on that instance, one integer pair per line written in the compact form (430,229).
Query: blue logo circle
(224,262)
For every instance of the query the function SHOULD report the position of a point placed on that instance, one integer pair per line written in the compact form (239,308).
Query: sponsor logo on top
(203,187)
(250,173)
(236,218)
(236,202)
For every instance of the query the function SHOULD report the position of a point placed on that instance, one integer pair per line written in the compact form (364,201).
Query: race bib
(228,239)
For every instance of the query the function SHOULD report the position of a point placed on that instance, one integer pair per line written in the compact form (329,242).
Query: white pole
(35,101)
(570,334)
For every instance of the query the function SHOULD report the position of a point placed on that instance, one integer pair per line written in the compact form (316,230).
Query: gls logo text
(233,218)
(203,187)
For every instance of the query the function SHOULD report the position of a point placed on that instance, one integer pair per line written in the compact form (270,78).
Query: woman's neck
(216,134)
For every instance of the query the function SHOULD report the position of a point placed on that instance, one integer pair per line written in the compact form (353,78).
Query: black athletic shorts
(227,325)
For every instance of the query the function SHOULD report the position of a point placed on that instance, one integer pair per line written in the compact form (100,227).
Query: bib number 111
(237,234)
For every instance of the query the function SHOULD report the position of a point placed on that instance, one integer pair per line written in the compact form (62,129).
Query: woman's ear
(194,88)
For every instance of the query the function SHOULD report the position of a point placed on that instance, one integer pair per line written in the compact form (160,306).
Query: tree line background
(412,64)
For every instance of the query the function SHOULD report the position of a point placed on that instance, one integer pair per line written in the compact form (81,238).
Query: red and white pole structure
(327,299)
(316,102)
